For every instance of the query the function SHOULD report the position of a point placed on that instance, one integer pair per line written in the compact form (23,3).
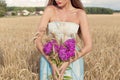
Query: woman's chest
(65,17)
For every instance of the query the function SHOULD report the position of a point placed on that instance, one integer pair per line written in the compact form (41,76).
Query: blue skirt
(76,71)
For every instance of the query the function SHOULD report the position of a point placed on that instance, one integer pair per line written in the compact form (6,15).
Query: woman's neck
(67,7)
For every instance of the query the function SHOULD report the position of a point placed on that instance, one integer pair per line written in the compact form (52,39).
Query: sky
(113,4)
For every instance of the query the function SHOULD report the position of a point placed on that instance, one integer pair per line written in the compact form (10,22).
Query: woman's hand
(78,55)
(59,71)
(39,46)
(55,71)
(63,68)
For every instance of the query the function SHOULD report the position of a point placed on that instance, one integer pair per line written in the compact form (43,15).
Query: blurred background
(19,58)
(36,7)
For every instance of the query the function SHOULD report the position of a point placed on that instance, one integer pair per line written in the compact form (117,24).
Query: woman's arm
(85,31)
(48,13)
(42,28)
(86,37)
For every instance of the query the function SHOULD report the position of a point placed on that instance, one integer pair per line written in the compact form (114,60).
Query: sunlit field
(19,59)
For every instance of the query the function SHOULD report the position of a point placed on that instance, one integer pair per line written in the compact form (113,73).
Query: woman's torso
(69,24)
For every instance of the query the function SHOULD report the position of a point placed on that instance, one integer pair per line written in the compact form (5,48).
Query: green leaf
(54,61)
(68,68)
(67,77)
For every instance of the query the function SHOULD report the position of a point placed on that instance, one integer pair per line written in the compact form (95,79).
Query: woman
(70,13)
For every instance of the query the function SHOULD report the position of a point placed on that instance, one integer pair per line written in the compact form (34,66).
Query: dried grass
(19,59)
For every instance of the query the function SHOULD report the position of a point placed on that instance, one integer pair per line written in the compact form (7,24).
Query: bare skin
(71,14)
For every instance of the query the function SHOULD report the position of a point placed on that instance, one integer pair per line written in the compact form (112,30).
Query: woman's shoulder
(81,12)
(50,8)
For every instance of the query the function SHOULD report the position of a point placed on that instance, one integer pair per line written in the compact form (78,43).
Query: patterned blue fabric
(77,67)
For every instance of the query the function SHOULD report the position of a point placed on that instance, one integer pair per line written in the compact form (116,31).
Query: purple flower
(70,53)
(70,44)
(56,46)
(47,48)
(54,41)
(63,53)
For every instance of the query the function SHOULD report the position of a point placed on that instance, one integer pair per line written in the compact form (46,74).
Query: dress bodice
(63,29)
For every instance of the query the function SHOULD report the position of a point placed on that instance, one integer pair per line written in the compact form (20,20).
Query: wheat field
(19,59)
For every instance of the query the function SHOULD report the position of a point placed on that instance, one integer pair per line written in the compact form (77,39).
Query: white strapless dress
(77,67)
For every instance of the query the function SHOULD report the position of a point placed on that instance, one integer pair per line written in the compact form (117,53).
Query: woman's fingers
(64,68)
(56,69)
(76,54)
(61,66)
(59,71)
(55,72)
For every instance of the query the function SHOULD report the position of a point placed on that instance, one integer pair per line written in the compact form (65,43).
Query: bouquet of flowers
(59,51)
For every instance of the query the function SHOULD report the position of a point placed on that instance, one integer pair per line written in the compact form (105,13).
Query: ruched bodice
(61,29)
(58,27)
